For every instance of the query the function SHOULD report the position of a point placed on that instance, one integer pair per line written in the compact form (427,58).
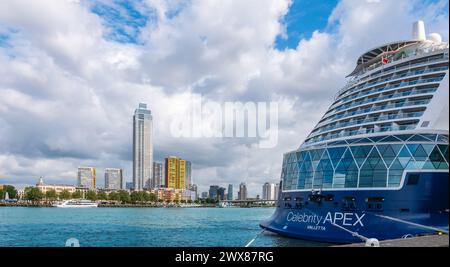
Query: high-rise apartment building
(230,192)
(277,191)
(87,177)
(188,174)
(157,180)
(142,147)
(268,192)
(213,191)
(113,179)
(175,173)
(194,188)
(242,194)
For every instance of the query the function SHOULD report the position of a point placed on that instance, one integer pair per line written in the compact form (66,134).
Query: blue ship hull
(423,199)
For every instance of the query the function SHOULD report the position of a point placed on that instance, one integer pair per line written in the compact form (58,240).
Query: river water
(139,227)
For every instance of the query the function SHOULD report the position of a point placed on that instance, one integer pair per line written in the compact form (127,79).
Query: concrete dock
(422,241)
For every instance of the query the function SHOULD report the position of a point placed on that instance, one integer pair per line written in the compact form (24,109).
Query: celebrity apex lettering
(345,219)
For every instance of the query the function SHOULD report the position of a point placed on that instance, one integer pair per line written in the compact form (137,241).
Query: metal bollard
(372,242)
(72,242)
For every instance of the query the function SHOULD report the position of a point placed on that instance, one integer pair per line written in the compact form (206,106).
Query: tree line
(35,195)
(11,190)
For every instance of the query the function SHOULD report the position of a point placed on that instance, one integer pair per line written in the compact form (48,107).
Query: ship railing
(380,118)
(361,132)
(354,80)
(420,81)
(360,94)
(361,111)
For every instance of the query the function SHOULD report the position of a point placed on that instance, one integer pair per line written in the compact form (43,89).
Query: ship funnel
(419,31)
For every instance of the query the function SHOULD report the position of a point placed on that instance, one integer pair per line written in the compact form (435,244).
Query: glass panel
(404,137)
(346,174)
(336,154)
(428,165)
(299,157)
(373,173)
(316,154)
(419,154)
(337,143)
(436,158)
(353,141)
(412,148)
(389,152)
(362,141)
(301,180)
(428,148)
(395,176)
(377,138)
(418,138)
(444,151)
(306,173)
(443,165)
(360,153)
(442,138)
(431,137)
(390,139)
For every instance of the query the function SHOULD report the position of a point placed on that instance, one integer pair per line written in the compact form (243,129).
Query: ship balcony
(436,59)
(392,79)
(362,122)
(364,108)
(403,85)
(364,131)
(396,86)
(386,108)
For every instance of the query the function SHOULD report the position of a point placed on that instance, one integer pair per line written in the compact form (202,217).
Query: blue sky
(303,18)
(124,20)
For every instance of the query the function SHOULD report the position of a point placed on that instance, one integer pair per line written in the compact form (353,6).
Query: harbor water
(139,227)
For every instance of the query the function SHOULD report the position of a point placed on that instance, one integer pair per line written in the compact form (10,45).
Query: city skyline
(110,70)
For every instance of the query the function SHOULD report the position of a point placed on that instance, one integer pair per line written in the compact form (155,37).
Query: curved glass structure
(380,151)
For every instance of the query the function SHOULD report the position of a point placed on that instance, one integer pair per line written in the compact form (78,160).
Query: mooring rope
(253,240)
(414,224)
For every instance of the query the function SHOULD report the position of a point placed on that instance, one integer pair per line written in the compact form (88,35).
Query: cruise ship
(376,165)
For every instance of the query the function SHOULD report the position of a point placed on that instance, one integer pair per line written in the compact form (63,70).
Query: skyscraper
(175,173)
(277,191)
(157,180)
(113,179)
(242,195)
(194,188)
(221,193)
(142,147)
(213,191)
(268,192)
(87,177)
(188,174)
(230,192)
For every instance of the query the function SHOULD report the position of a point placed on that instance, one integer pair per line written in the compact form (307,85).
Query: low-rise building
(172,195)
(58,188)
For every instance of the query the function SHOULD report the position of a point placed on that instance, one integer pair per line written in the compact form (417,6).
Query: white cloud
(67,94)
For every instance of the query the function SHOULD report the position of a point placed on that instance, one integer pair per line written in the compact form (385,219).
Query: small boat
(77,204)
(223,205)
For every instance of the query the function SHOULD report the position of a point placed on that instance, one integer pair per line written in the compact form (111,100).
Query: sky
(72,74)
